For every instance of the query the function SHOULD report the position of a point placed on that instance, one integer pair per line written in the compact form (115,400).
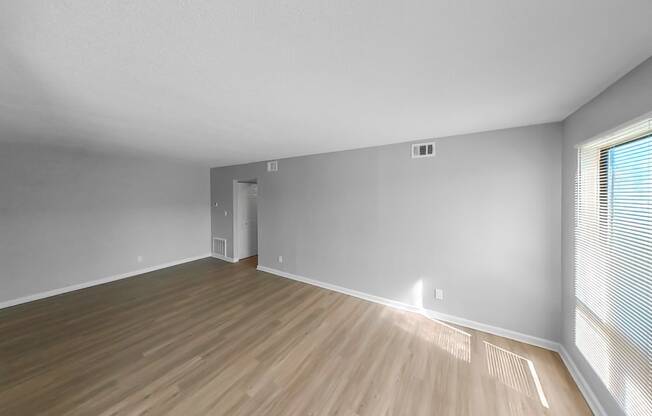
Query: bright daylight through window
(613,263)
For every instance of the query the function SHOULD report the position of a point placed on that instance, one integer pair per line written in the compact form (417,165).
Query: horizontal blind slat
(613,264)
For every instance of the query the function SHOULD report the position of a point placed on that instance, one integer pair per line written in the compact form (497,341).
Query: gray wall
(68,216)
(480,220)
(625,100)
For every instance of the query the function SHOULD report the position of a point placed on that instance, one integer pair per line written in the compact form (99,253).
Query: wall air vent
(272,166)
(219,246)
(423,150)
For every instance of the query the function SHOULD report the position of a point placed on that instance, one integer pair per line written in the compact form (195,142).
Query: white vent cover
(272,166)
(423,150)
(219,246)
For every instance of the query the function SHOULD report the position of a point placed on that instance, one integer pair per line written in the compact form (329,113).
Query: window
(613,264)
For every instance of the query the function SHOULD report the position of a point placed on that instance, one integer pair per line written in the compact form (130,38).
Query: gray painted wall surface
(627,99)
(68,217)
(481,220)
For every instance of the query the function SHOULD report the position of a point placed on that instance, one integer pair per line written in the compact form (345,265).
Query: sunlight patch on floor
(454,341)
(514,371)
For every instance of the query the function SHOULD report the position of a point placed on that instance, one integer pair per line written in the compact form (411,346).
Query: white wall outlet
(439,294)
(280,259)
(139,259)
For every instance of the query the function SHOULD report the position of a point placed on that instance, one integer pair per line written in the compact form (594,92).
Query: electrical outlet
(280,259)
(439,294)
(139,259)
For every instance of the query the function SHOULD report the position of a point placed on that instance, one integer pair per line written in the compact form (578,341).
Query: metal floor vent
(219,246)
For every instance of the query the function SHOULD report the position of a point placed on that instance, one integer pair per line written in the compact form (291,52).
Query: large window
(613,264)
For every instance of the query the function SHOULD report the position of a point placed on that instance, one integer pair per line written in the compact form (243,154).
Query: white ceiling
(231,81)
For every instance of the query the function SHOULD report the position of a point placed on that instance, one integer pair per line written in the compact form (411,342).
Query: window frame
(605,233)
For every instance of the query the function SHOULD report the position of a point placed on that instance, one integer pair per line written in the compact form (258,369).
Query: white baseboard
(505,333)
(582,384)
(225,258)
(528,339)
(49,293)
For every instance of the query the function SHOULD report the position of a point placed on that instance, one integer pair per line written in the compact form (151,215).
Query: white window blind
(613,263)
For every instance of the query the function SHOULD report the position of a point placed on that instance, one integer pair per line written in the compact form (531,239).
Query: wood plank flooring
(214,338)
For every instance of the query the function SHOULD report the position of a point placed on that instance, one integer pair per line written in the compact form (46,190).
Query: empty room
(326,208)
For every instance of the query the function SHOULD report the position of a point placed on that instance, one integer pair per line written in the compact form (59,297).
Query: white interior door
(247,220)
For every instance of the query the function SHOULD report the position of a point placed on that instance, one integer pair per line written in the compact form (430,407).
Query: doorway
(245,219)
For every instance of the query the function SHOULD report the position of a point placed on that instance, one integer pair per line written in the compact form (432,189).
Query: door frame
(236,194)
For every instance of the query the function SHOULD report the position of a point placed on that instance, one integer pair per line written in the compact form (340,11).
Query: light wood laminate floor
(214,338)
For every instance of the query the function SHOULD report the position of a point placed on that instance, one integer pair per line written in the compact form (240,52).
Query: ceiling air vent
(272,166)
(423,150)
